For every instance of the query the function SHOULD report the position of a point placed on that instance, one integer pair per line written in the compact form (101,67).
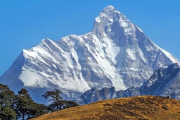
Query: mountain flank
(163,82)
(115,53)
(136,108)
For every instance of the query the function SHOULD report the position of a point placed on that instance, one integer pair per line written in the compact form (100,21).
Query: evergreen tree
(37,110)
(19,106)
(6,103)
(57,102)
(55,99)
(23,104)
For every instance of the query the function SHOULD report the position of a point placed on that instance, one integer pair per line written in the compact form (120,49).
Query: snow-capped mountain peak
(109,7)
(110,21)
(115,53)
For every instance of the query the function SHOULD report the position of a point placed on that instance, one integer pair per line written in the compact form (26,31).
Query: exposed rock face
(94,94)
(115,53)
(164,82)
(132,91)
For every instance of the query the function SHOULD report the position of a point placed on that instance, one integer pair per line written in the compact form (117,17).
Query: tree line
(22,106)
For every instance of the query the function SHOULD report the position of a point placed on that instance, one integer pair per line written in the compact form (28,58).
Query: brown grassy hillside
(133,108)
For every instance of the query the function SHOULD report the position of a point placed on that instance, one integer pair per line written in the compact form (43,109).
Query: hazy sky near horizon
(24,23)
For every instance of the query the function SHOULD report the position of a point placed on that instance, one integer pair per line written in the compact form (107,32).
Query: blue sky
(24,23)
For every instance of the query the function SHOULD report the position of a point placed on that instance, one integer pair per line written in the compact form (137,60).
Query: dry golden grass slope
(133,108)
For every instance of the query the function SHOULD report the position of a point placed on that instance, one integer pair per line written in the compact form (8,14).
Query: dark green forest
(22,106)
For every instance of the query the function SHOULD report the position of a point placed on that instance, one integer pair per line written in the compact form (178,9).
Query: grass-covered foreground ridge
(142,107)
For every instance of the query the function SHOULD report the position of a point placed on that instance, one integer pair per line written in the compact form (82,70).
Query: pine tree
(19,106)
(55,99)
(57,102)
(37,110)
(6,103)
(23,104)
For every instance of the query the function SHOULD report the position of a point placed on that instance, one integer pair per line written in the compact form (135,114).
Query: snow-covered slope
(115,53)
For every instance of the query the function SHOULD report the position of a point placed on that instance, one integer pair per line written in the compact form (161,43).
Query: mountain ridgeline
(116,53)
(164,82)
